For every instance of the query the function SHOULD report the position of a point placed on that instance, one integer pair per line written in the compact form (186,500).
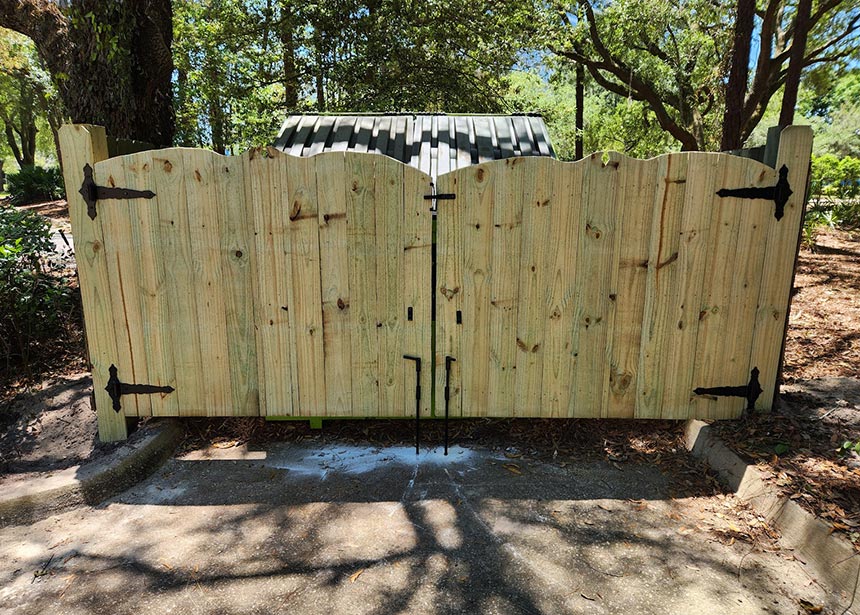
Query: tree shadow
(398,539)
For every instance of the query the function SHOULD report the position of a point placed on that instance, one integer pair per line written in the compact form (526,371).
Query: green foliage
(834,190)
(243,64)
(849,447)
(611,122)
(34,300)
(834,196)
(29,110)
(35,185)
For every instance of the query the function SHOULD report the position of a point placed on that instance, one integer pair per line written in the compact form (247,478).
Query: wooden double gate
(270,285)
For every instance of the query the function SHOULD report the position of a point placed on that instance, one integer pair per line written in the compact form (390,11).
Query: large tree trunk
(736,89)
(118,76)
(795,62)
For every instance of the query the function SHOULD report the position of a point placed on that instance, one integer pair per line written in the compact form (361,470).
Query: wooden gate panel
(615,287)
(166,266)
(267,284)
(303,303)
(343,245)
(507,216)
(449,295)
(82,145)
(727,307)
(361,254)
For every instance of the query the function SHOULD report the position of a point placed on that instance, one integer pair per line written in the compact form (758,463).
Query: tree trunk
(736,89)
(580,101)
(291,79)
(795,62)
(13,143)
(120,80)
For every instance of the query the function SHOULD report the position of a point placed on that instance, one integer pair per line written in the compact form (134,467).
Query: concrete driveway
(298,528)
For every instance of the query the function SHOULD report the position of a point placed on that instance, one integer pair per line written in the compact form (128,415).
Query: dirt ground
(322,524)
(824,327)
(799,443)
(49,426)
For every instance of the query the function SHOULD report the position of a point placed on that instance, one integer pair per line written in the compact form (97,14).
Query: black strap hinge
(442,196)
(115,389)
(93,192)
(778,194)
(750,391)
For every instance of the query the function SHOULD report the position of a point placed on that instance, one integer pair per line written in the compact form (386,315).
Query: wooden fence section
(260,284)
(615,287)
(266,284)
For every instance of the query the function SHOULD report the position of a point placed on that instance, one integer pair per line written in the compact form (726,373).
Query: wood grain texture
(238,263)
(561,335)
(119,221)
(795,147)
(84,144)
(639,285)
(265,192)
(415,270)
(637,183)
(594,275)
(335,289)
(661,283)
(448,292)
(283,286)
(505,286)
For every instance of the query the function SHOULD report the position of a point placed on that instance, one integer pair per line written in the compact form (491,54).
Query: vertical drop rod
(417,398)
(448,361)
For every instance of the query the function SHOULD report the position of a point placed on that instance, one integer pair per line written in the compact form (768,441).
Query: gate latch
(115,389)
(750,391)
(93,192)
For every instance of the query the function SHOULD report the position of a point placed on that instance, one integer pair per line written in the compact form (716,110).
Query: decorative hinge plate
(750,391)
(778,194)
(93,192)
(115,389)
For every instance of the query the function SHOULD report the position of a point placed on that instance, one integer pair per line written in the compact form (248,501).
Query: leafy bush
(36,302)
(35,185)
(834,195)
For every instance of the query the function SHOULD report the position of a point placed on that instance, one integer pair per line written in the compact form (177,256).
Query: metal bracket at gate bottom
(750,391)
(115,389)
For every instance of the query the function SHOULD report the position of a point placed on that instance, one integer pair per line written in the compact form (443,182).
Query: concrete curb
(831,557)
(30,500)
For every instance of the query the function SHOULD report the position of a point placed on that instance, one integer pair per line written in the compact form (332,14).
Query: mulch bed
(800,444)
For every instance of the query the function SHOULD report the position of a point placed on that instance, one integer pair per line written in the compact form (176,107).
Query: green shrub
(834,195)
(36,302)
(35,185)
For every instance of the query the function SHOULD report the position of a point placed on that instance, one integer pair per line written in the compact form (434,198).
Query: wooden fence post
(795,149)
(82,144)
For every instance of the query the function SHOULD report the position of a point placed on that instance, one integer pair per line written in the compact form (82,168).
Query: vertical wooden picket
(795,148)
(81,145)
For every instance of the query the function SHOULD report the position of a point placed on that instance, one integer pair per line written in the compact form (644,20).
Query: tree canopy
(688,74)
